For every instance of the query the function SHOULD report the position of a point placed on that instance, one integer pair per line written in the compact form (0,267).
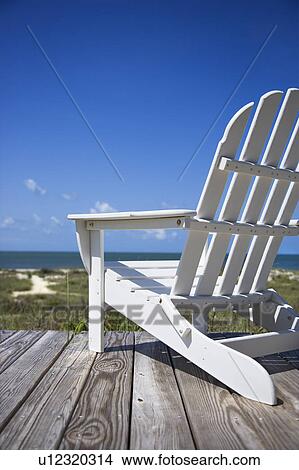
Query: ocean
(64,259)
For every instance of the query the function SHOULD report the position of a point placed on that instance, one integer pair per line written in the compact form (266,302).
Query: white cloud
(8,222)
(55,220)
(101,207)
(68,196)
(159,234)
(34,187)
(36,219)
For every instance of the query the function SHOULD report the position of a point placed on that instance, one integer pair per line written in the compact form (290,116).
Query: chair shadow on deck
(156,350)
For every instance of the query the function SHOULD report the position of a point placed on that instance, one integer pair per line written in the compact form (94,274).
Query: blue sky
(151,77)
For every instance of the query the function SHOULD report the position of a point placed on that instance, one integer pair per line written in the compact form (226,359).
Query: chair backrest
(256,193)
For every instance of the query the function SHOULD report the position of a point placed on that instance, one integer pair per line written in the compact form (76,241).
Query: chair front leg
(274,317)
(200,318)
(96,291)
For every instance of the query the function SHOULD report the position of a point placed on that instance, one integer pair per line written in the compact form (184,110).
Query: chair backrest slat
(274,150)
(209,201)
(273,244)
(252,148)
(250,257)
(270,213)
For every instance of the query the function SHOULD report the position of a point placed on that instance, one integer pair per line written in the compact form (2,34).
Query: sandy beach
(42,284)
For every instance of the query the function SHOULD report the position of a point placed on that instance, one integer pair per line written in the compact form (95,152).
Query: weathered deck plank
(292,357)
(40,422)
(158,416)
(277,427)
(142,396)
(4,334)
(18,380)
(102,417)
(14,346)
(216,420)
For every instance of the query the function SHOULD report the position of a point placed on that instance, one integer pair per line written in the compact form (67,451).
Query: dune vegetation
(57,299)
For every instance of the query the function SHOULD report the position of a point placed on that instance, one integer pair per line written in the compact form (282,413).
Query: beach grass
(288,287)
(66,307)
(10,283)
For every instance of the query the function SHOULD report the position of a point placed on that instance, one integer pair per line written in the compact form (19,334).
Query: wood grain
(145,396)
(292,357)
(14,346)
(102,416)
(18,380)
(4,334)
(216,420)
(158,415)
(40,422)
(277,427)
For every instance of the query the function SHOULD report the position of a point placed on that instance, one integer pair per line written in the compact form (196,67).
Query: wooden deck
(55,394)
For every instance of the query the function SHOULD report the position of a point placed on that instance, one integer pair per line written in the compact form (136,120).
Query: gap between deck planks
(6,334)
(18,380)
(15,345)
(101,419)
(138,396)
(224,420)
(40,421)
(158,417)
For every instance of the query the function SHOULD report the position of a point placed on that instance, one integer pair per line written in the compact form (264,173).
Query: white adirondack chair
(151,293)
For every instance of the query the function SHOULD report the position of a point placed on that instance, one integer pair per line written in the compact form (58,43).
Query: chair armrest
(158,214)
(294,222)
(147,220)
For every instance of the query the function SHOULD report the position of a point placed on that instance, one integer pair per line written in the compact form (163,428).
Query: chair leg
(96,292)
(274,317)
(201,320)
(162,320)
